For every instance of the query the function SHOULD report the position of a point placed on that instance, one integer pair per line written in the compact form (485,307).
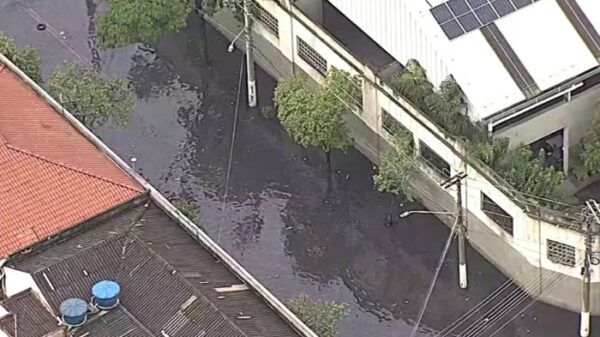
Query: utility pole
(249,56)
(591,220)
(461,228)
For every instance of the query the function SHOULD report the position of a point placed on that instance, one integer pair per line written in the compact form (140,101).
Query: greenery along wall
(525,170)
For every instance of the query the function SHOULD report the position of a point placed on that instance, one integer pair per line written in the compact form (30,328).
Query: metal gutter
(171,210)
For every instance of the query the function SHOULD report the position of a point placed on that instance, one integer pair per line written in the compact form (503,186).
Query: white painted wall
(16,281)
(574,116)
(529,233)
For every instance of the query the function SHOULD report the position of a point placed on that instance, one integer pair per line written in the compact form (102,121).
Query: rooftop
(169,282)
(28,314)
(52,177)
(523,47)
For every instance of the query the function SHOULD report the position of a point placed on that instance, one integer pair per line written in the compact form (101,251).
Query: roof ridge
(69,167)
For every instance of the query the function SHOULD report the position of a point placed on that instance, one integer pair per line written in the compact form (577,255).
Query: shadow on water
(273,217)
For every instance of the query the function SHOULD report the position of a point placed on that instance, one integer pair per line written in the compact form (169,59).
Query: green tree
(413,84)
(25,58)
(312,115)
(397,167)
(521,168)
(187,207)
(146,21)
(322,317)
(588,150)
(92,97)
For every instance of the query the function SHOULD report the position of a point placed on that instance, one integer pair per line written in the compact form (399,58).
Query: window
(395,128)
(434,161)
(310,56)
(267,19)
(496,213)
(560,253)
(389,123)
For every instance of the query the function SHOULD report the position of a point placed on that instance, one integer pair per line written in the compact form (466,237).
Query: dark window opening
(394,127)
(434,161)
(552,145)
(496,213)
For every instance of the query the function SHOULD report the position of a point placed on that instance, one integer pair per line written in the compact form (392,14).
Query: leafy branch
(397,166)
(322,317)
(25,58)
(524,170)
(92,97)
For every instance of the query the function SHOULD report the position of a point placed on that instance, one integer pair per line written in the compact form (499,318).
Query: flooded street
(274,212)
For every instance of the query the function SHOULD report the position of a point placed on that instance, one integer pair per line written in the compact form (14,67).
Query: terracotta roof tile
(51,177)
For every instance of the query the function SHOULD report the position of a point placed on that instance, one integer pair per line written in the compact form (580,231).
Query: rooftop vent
(73,312)
(105,294)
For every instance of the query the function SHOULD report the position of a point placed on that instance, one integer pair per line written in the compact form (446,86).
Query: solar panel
(521,3)
(441,13)
(477,3)
(503,7)
(452,29)
(457,17)
(458,7)
(486,14)
(469,22)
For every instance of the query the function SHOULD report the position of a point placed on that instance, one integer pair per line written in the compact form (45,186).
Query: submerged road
(275,216)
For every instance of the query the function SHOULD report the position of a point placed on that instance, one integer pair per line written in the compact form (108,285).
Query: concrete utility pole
(591,220)
(249,56)
(461,229)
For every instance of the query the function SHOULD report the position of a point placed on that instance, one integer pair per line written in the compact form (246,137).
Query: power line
(231,146)
(438,268)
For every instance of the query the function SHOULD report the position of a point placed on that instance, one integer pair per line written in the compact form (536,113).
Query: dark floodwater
(278,216)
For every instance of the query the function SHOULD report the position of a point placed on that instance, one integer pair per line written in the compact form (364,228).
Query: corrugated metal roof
(167,280)
(31,316)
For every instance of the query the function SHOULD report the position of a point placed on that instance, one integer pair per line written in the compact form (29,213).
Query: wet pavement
(279,217)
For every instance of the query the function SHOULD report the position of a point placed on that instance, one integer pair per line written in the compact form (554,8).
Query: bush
(322,317)
(588,150)
(25,59)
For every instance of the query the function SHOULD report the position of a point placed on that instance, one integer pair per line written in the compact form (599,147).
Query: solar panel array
(458,17)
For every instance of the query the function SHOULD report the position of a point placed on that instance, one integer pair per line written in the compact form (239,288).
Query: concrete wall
(521,256)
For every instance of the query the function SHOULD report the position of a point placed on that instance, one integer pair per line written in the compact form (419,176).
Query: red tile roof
(51,176)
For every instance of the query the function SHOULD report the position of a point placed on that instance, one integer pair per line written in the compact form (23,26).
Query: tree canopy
(146,21)
(25,58)
(90,96)
(322,317)
(397,167)
(588,150)
(521,168)
(312,115)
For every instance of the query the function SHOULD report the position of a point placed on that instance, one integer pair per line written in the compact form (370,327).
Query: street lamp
(407,213)
(231,45)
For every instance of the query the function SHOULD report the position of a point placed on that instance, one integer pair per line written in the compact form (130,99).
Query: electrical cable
(506,305)
(436,273)
(231,146)
(549,287)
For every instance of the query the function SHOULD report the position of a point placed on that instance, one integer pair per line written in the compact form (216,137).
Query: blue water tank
(74,311)
(106,294)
